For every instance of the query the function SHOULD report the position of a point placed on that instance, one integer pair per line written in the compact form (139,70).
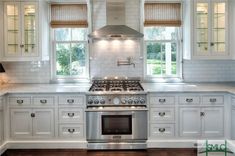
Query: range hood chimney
(115,28)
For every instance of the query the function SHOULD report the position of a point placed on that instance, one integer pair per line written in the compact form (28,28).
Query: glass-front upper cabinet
(210,29)
(20,27)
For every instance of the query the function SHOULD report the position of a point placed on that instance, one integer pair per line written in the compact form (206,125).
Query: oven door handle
(115,110)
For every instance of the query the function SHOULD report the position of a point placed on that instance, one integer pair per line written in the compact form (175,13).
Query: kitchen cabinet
(210,29)
(1,122)
(28,123)
(204,122)
(23,27)
(161,116)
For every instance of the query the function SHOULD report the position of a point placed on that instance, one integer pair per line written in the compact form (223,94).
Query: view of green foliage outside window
(162,46)
(70,48)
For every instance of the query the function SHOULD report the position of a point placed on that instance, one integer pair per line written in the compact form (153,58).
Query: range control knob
(102,101)
(96,101)
(123,100)
(136,101)
(116,101)
(142,100)
(130,101)
(90,101)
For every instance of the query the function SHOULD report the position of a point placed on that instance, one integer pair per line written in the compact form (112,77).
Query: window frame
(60,78)
(179,61)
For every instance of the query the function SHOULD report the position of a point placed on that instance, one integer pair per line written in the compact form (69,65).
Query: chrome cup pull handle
(44,101)
(70,101)
(162,130)
(71,115)
(189,100)
(161,114)
(71,130)
(162,100)
(213,100)
(20,101)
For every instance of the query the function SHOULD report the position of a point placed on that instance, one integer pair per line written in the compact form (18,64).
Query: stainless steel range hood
(115,31)
(115,28)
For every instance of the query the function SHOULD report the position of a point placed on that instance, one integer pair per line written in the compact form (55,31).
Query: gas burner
(116,85)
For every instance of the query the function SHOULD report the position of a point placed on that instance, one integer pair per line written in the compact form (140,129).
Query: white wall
(104,58)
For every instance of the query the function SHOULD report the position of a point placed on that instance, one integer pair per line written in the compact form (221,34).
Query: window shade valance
(68,15)
(162,14)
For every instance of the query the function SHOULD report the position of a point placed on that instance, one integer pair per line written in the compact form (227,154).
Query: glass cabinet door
(29,32)
(218,28)
(202,32)
(12,29)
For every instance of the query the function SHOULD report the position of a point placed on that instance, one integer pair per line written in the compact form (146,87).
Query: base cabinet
(28,123)
(204,122)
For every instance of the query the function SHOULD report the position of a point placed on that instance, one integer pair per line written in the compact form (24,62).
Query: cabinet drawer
(71,131)
(43,101)
(185,100)
(162,130)
(71,115)
(19,101)
(162,114)
(162,100)
(216,100)
(72,100)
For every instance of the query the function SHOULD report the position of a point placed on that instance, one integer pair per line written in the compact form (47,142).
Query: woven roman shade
(69,15)
(162,14)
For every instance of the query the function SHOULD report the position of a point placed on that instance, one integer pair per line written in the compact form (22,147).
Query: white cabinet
(28,123)
(205,121)
(210,29)
(25,29)
(212,121)
(190,122)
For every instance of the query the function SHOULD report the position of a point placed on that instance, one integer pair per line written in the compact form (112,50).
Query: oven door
(116,126)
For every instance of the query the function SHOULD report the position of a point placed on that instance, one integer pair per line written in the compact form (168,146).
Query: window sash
(162,14)
(69,15)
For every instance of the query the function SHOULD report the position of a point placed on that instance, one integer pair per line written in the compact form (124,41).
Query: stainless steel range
(116,115)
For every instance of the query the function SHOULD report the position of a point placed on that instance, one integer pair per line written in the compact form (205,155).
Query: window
(162,39)
(69,41)
(70,46)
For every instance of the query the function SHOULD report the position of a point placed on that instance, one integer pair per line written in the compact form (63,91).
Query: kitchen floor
(59,152)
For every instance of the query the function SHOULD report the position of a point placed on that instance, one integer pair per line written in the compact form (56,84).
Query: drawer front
(1,103)
(162,100)
(162,114)
(162,130)
(43,101)
(72,100)
(71,131)
(214,100)
(71,115)
(187,100)
(19,101)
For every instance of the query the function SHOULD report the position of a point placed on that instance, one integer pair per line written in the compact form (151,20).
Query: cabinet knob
(202,113)
(71,115)
(162,100)
(212,43)
(22,46)
(71,130)
(189,100)
(20,101)
(70,101)
(32,115)
(161,130)
(43,101)
(213,100)
(161,114)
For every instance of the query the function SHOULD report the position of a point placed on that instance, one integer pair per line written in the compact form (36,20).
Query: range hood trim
(115,32)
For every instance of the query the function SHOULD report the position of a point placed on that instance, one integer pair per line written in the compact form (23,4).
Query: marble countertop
(148,87)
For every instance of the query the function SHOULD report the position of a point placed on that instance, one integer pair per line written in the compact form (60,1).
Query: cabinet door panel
(212,122)
(21,123)
(233,122)
(1,126)
(190,122)
(12,29)
(29,26)
(43,123)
